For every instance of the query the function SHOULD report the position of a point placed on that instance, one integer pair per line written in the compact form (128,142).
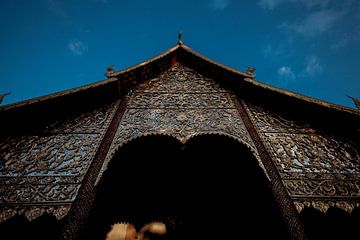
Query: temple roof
(119,82)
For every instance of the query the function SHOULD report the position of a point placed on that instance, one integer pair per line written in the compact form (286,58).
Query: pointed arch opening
(209,187)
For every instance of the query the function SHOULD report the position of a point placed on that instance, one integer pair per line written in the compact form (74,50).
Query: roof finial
(356,101)
(2,96)
(109,71)
(251,71)
(180,42)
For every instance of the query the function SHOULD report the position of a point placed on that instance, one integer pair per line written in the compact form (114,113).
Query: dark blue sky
(308,46)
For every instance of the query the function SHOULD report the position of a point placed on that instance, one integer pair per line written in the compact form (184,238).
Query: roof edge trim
(110,79)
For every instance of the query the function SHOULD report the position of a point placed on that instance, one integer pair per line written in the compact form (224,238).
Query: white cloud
(285,73)
(312,66)
(77,47)
(219,4)
(315,23)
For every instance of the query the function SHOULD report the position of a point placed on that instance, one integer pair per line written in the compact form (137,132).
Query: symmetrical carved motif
(42,173)
(317,169)
(180,103)
(182,124)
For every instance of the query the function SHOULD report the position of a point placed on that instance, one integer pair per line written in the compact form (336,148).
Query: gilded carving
(312,165)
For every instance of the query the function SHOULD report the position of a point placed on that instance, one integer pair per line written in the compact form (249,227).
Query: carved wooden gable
(42,172)
(317,169)
(180,103)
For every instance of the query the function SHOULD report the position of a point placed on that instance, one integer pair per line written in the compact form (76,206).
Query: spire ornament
(356,101)
(180,42)
(109,71)
(251,71)
(2,96)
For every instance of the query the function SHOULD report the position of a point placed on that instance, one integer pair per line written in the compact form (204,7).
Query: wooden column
(80,210)
(286,205)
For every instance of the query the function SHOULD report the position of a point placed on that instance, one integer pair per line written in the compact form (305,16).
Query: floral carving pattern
(312,165)
(42,173)
(179,103)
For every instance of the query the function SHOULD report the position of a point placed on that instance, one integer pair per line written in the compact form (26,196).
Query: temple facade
(180,139)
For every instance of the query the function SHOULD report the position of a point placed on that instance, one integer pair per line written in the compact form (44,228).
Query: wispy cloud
(342,42)
(77,47)
(312,66)
(269,4)
(272,4)
(285,73)
(57,9)
(219,4)
(315,23)
(270,51)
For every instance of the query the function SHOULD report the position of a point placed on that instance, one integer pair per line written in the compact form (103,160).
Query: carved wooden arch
(237,145)
(183,141)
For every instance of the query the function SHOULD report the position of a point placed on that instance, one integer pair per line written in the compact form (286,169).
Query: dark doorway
(332,225)
(209,188)
(43,228)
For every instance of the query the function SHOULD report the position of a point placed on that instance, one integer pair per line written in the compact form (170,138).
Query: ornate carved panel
(42,173)
(182,124)
(317,169)
(180,103)
(61,154)
(181,100)
(95,121)
(180,79)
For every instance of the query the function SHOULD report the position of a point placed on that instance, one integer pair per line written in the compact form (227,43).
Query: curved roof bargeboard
(113,77)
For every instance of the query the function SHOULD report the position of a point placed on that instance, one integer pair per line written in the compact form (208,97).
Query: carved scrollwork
(68,154)
(321,188)
(311,165)
(33,212)
(180,124)
(266,121)
(95,121)
(312,153)
(180,79)
(38,193)
(181,100)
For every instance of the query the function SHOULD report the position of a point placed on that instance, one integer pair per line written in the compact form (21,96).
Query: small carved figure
(250,70)
(110,69)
